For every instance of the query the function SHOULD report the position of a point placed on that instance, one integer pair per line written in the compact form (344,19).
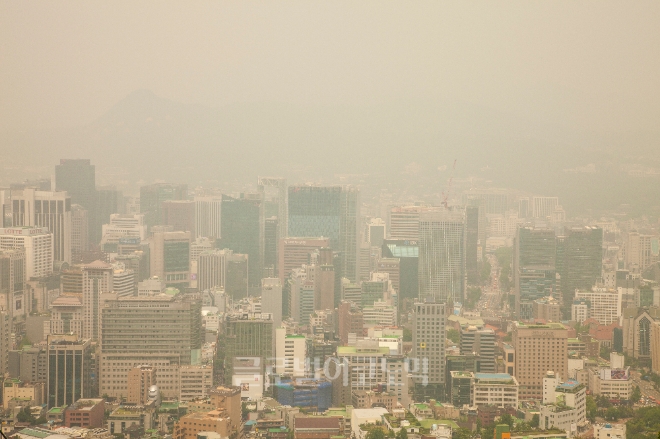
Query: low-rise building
(610,431)
(498,389)
(318,427)
(217,421)
(14,389)
(125,416)
(564,405)
(87,413)
(614,384)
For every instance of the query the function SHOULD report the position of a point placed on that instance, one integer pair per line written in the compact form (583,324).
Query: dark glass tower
(152,197)
(78,178)
(241,229)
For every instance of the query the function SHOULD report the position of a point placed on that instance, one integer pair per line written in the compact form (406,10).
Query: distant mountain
(145,137)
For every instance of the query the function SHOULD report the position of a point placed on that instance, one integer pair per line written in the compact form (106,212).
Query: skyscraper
(69,369)
(97,280)
(579,259)
(180,214)
(271,299)
(152,197)
(169,254)
(543,207)
(243,231)
(50,209)
(13,281)
(472,244)
(38,245)
(78,178)
(333,212)
(442,255)
(79,232)
(428,354)
(534,269)
(208,211)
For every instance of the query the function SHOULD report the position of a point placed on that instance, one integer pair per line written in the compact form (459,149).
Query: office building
(442,255)
(461,388)
(610,431)
(324,280)
(391,266)
(636,324)
(271,240)
(122,226)
(13,281)
(376,232)
(538,349)
(123,280)
(580,310)
(301,296)
(494,201)
(271,299)
(48,209)
(290,353)
(140,380)
(243,231)
(534,270)
(97,286)
(404,222)
(212,269)
(69,369)
(5,340)
(77,178)
(655,347)
(109,200)
(579,259)
(79,232)
(207,217)
(407,252)
(66,316)
(547,309)
(564,405)
(162,331)
(332,212)
(247,335)
(295,252)
(169,254)
(351,321)
(180,214)
(152,197)
(543,207)
(613,384)
(85,413)
(29,364)
(472,244)
(479,342)
(605,306)
(495,389)
(195,381)
(428,331)
(37,243)
(637,251)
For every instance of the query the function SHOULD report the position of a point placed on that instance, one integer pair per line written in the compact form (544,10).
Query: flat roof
(493,376)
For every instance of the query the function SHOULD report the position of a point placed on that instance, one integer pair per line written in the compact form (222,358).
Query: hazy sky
(594,65)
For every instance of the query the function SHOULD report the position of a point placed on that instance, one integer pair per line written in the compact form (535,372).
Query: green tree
(376,433)
(453,335)
(507,419)
(461,433)
(592,408)
(535,421)
(636,394)
(25,415)
(407,334)
(402,434)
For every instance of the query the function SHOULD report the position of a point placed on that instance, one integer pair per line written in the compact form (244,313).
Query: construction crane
(445,195)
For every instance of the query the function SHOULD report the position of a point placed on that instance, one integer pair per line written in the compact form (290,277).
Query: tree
(407,334)
(592,408)
(535,421)
(25,415)
(461,433)
(376,433)
(453,335)
(636,394)
(402,434)
(507,419)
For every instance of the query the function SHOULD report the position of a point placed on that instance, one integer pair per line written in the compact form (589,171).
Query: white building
(207,216)
(605,305)
(381,313)
(38,245)
(195,381)
(151,287)
(610,431)
(579,311)
(365,416)
(499,389)
(611,383)
(124,226)
(123,280)
(564,405)
(271,298)
(290,353)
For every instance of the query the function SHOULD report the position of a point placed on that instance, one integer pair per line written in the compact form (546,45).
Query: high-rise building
(69,369)
(333,212)
(290,353)
(534,269)
(408,254)
(123,280)
(324,280)
(494,201)
(48,209)
(243,231)
(38,245)
(605,306)
(180,214)
(78,178)
(480,342)
(169,255)
(140,379)
(543,207)
(637,251)
(79,232)
(121,227)
(579,259)
(538,349)
(404,222)
(271,241)
(208,213)
(5,340)
(472,244)
(97,284)
(109,201)
(294,252)
(66,316)
(271,299)
(428,332)
(442,255)
(163,331)
(391,266)
(376,232)
(350,321)
(301,296)
(247,335)
(13,282)
(152,197)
